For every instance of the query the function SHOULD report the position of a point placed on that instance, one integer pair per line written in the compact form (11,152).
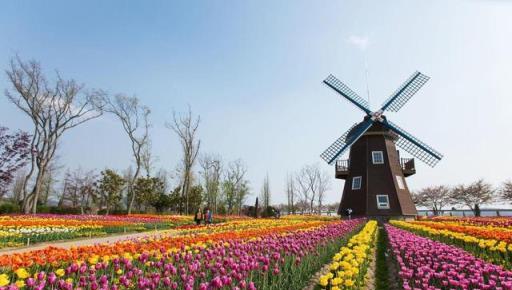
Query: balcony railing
(342,165)
(407,165)
(342,169)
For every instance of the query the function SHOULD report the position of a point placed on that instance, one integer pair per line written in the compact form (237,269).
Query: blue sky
(253,71)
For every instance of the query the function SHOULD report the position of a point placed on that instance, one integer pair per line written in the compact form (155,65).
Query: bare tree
(128,174)
(307,179)
(303,189)
(53,107)
(17,186)
(70,194)
(185,126)
(434,197)
(65,189)
(473,195)
(323,184)
(506,191)
(80,189)
(148,159)
(290,194)
(49,181)
(88,192)
(211,170)
(265,193)
(135,120)
(302,205)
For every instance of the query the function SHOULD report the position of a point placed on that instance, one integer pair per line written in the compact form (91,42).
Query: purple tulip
(424,263)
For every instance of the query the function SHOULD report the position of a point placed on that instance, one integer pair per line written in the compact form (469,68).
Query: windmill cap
(376,128)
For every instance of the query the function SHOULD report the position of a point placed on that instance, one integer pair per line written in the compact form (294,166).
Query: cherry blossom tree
(14,154)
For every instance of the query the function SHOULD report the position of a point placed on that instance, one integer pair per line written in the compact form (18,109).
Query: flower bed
(479,231)
(196,236)
(505,222)
(428,264)
(349,265)
(491,250)
(262,259)
(18,230)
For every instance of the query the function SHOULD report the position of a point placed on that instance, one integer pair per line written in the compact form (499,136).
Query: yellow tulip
(22,273)
(4,280)
(60,272)
(20,284)
(324,281)
(351,259)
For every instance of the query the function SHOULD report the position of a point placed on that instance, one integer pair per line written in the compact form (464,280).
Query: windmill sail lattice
(405,92)
(415,147)
(336,146)
(345,91)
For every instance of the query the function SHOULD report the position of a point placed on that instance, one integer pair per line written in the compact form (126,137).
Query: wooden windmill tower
(375,173)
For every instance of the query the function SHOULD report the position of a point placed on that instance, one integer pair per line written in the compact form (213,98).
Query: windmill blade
(346,92)
(344,142)
(335,147)
(414,146)
(405,92)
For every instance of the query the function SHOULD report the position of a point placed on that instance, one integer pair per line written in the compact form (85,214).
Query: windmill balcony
(342,169)
(408,167)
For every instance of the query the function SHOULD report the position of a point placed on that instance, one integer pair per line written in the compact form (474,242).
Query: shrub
(9,207)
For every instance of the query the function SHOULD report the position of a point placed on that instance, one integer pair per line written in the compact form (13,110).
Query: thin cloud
(360,42)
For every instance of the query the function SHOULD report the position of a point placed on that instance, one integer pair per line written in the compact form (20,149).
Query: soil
(314,279)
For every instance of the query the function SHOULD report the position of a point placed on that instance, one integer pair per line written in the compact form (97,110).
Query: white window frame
(360,178)
(400,181)
(375,153)
(382,205)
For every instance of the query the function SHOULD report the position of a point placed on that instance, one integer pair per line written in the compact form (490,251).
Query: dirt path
(87,241)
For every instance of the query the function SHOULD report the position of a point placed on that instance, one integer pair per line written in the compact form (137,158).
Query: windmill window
(356,182)
(400,182)
(382,201)
(377,157)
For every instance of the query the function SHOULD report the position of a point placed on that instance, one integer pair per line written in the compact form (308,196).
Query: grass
(382,267)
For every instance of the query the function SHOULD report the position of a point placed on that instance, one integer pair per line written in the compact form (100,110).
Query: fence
(468,213)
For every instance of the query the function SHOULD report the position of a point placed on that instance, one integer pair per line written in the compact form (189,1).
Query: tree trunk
(476,210)
(30,203)
(25,204)
(132,193)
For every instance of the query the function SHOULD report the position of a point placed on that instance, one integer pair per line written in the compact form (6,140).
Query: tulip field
(19,230)
(293,252)
(240,254)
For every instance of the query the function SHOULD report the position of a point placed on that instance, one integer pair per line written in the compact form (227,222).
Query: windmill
(375,173)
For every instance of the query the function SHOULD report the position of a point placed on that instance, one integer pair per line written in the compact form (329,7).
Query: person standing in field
(206,215)
(198,216)
(209,216)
